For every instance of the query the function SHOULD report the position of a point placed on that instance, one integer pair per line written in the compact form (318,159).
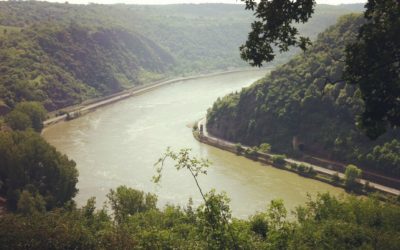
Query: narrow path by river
(231,145)
(118,145)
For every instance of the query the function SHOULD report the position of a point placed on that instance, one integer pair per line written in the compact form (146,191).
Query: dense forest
(305,102)
(62,54)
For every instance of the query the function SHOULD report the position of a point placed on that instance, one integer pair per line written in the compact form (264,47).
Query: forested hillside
(63,65)
(304,105)
(62,54)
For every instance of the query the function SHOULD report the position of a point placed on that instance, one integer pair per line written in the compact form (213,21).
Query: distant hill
(356,7)
(62,54)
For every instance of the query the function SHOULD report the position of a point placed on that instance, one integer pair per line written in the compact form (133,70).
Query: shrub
(311,171)
(294,166)
(301,168)
(352,173)
(264,148)
(279,160)
(251,151)
(239,148)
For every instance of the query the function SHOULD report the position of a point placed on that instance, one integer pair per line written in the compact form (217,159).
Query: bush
(252,152)
(311,171)
(279,160)
(239,148)
(127,201)
(301,168)
(352,174)
(259,225)
(265,148)
(294,166)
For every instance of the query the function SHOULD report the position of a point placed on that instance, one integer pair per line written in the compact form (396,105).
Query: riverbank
(304,169)
(72,112)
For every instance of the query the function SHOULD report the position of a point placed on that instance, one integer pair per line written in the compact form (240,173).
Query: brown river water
(119,144)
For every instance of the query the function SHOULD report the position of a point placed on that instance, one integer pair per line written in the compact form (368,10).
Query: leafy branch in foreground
(183,161)
(275,29)
(215,211)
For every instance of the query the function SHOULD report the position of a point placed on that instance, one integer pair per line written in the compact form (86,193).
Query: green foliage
(274,27)
(183,160)
(30,204)
(26,115)
(28,162)
(35,111)
(296,101)
(126,202)
(252,152)
(239,148)
(214,218)
(372,63)
(18,120)
(385,156)
(62,54)
(76,62)
(351,174)
(279,160)
(305,170)
(259,224)
(328,223)
(325,222)
(264,148)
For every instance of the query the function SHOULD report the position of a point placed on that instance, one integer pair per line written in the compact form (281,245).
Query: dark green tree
(373,64)
(28,162)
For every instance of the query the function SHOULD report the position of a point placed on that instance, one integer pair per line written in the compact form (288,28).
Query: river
(118,145)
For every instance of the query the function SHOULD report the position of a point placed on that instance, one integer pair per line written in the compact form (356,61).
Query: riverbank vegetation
(350,180)
(297,110)
(34,176)
(135,222)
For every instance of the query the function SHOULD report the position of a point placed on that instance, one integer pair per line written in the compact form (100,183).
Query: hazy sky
(188,1)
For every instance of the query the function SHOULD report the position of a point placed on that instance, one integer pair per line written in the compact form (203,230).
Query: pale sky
(189,1)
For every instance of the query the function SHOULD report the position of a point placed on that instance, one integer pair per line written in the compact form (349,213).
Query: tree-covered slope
(305,102)
(62,65)
(61,54)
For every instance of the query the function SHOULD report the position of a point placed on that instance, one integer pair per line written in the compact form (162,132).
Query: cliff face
(297,100)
